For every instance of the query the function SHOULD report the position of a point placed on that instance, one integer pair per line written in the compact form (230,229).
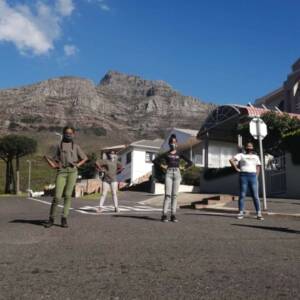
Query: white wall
(139,165)
(219,154)
(127,172)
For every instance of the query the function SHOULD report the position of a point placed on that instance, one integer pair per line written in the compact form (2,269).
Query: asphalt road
(132,255)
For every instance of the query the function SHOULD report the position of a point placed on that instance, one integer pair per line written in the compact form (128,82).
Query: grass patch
(41,174)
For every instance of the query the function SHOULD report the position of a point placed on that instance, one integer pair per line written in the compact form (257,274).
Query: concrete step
(213,201)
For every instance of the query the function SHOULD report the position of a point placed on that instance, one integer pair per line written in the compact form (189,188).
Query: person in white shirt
(248,165)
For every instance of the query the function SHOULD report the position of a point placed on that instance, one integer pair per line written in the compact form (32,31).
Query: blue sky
(229,51)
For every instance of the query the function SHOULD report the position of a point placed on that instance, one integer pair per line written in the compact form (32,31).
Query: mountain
(121,108)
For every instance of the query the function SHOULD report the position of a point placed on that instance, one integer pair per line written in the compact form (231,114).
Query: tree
(88,170)
(14,147)
(278,126)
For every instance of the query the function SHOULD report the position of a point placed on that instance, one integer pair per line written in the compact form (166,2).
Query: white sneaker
(240,216)
(98,209)
(259,216)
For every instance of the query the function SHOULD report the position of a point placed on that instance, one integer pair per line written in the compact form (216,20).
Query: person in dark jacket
(170,162)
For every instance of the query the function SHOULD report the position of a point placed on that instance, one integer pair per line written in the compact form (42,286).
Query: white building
(219,152)
(136,159)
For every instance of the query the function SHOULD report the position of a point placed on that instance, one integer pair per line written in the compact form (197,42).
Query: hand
(164,167)
(52,163)
(238,170)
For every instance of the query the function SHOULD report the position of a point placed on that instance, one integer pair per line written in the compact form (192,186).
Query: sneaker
(98,210)
(173,219)
(240,216)
(164,218)
(49,223)
(64,223)
(259,217)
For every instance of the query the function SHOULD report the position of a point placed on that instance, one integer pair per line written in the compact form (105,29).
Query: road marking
(91,210)
(122,208)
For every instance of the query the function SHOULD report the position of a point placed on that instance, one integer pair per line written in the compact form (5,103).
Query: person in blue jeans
(248,165)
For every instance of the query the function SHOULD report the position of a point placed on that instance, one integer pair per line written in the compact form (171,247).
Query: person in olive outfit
(170,162)
(67,159)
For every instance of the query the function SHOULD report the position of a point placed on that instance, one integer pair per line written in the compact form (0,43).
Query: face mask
(68,138)
(111,156)
(249,151)
(173,146)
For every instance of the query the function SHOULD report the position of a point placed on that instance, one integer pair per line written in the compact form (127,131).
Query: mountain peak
(113,77)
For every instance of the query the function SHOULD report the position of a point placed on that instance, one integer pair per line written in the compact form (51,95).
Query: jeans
(105,188)
(64,186)
(249,180)
(172,183)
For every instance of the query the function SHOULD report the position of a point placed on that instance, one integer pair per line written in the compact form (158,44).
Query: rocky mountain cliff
(123,106)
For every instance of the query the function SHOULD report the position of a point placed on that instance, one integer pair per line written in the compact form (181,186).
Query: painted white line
(48,203)
(91,210)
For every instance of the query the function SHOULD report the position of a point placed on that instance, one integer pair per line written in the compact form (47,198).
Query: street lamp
(59,134)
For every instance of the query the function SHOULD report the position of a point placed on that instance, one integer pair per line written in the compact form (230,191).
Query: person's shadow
(32,222)
(137,217)
(278,229)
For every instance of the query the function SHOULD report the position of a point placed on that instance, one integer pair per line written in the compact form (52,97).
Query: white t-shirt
(247,162)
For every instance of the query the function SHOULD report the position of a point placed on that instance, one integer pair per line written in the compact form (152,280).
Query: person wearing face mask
(170,162)
(68,157)
(111,167)
(248,165)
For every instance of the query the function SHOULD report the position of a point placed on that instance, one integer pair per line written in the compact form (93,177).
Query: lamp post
(59,134)
(29,176)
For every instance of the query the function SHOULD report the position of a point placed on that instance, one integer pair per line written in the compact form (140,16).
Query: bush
(291,143)
(99,131)
(88,170)
(31,119)
(192,176)
(213,173)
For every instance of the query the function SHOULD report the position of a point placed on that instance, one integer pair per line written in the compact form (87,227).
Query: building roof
(252,111)
(191,132)
(265,99)
(221,122)
(113,147)
(148,143)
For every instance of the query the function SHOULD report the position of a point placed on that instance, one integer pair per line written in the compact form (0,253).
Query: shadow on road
(279,229)
(137,217)
(32,222)
(232,216)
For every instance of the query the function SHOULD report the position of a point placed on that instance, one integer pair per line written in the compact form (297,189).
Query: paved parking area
(132,255)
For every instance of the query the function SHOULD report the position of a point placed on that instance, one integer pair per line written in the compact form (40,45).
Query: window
(128,158)
(149,157)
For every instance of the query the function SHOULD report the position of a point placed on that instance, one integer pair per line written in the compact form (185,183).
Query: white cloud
(32,29)
(102,4)
(65,7)
(70,50)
